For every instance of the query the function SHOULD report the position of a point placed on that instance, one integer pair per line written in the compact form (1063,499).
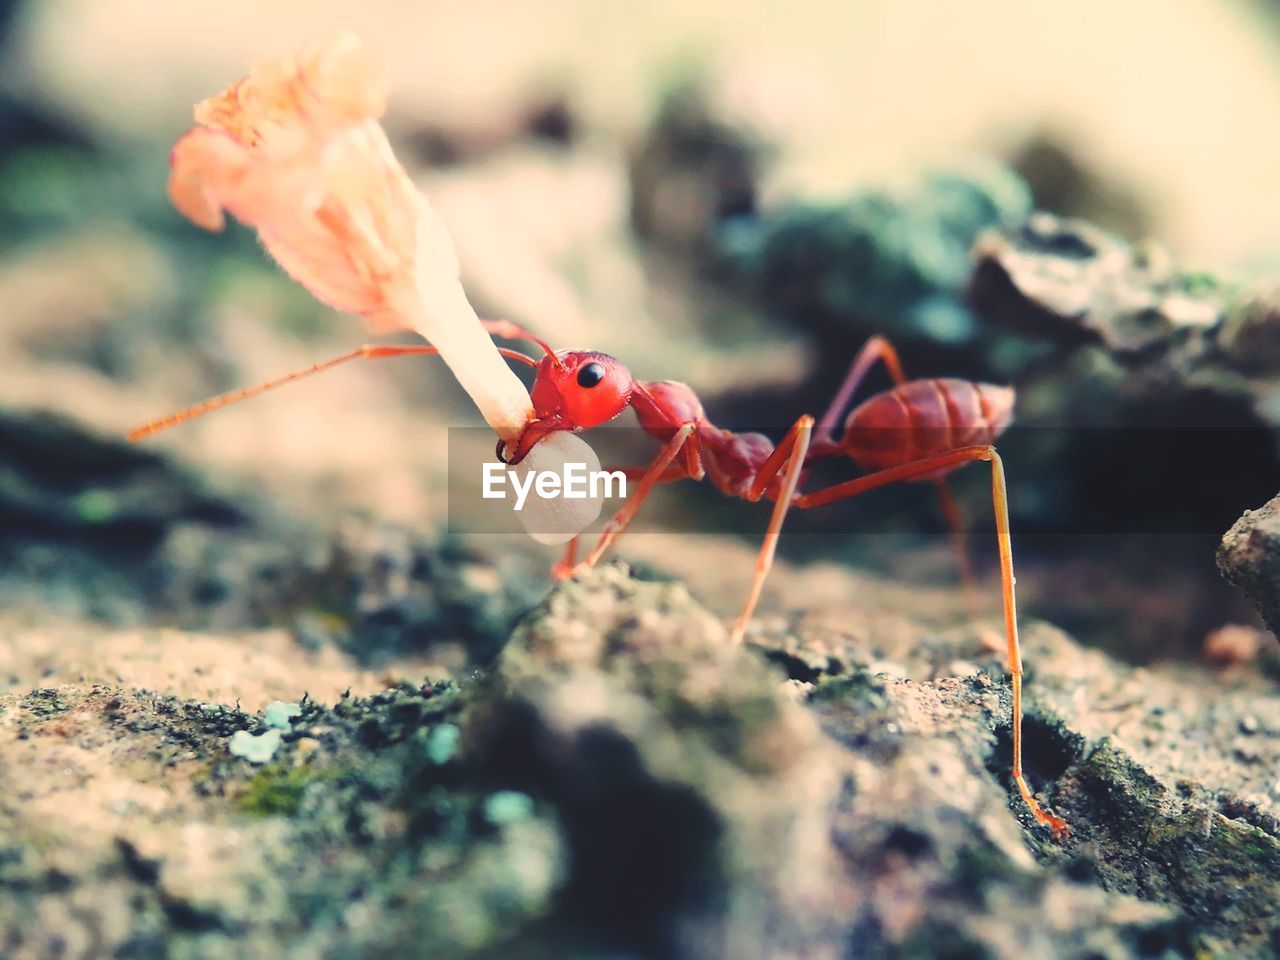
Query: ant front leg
(999,496)
(658,472)
(568,563)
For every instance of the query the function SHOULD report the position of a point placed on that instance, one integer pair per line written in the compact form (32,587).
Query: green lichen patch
(859,688)
(279,789)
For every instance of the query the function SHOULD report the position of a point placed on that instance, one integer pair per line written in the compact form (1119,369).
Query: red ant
(917,430)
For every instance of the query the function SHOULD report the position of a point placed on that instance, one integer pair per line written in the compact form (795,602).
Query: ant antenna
(235,396)
(512,331)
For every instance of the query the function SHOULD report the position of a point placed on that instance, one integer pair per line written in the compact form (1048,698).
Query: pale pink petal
(296,151)
(287,103)
(206,167)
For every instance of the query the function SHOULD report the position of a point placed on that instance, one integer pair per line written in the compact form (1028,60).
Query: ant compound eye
(590,375)
(593,390)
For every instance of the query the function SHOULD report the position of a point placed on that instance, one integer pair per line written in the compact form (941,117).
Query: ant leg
(367,352)
(688,467)
(955,523)
(564,569)
(877,348)
(655,474)
(791,452)
(1000,499)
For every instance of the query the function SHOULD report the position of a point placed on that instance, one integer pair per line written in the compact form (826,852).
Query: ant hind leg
(1000,499)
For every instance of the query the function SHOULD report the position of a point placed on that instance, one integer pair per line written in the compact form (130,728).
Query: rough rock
(353,843)
(883,261)
(1064,178)
(697,796)
(1249,558)
(1171,797)
(1250,338)
(95,526)
(691,172)
(374,590)
(622,782)
(1071,282)
(58,482)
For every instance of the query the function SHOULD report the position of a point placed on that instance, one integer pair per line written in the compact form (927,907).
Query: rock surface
(1249,557)
(1068,281)
(881,261)
(93,526)
(621,782)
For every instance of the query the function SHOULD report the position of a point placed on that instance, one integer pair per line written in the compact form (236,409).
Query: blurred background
(733,195)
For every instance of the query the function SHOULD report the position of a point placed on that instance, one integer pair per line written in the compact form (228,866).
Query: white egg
(558,518)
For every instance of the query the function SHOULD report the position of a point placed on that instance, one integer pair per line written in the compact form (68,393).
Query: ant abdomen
(922,418)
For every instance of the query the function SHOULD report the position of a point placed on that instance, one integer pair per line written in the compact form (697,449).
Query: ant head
(573,390)
(582,389)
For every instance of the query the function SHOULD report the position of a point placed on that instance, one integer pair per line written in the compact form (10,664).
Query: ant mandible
(917,430)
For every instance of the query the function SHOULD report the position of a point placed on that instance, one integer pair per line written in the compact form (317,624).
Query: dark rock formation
(690,173)
(1071,283)
(93,525)
(1249,558)
(883,262)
